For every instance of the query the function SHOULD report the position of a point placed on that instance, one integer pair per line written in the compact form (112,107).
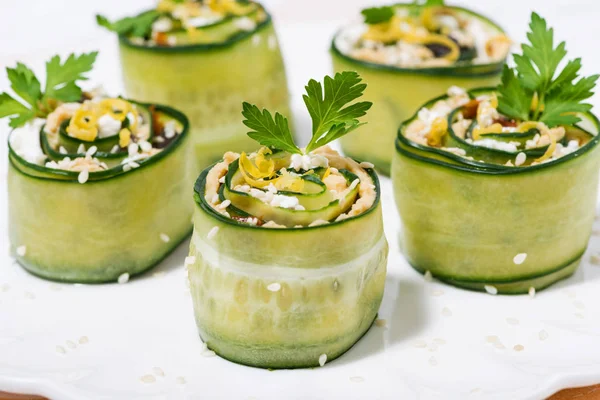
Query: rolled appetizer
(496,188)
(97,186)
(204,57)
(409,54)
(288,257)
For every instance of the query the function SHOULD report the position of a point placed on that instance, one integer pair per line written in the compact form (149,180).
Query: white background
(149,323)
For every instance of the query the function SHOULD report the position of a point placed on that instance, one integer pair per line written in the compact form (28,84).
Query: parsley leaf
(268,132)
(560,95)
(377,15)
(513,100)
(30,101)
(61,78)
(138,26)
(329,117)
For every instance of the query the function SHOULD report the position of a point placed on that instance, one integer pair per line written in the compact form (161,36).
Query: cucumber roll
(97,187)
(408,54)
(204,57)
(496,188)
(288,257)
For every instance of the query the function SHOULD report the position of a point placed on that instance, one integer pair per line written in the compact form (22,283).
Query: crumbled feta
(162,24)
(108,126)
(561,150)
(245,24)
(533,143)
(169,129)
(197,22)
(282,201)
(308,161)
(497,145)
(25,141)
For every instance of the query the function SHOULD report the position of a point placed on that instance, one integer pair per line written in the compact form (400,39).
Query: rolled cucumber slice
(397,92)
(208,82)
(284,297)
(466,221)
(119,221)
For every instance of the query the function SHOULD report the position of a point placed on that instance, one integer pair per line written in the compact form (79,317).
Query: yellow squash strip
(439,129)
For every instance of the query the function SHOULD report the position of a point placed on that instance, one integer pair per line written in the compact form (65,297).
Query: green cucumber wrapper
(397,92)
(465,221)
(110,225)
(331,280)
(209,82)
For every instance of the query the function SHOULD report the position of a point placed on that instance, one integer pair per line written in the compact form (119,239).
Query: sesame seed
(322,359)
(81,149)
(83,340)
(62,150)
(158,371)
(521,157)
(132,149)
(123,278)
(71,344)
(114,149)
(491,289)
(354,184)
(543,335)
(512,321)
(365,164)
(91,151)
(532,292)
(518,347)
(164,237)
(446,312)
(492,339)
(189,260)
(61,350)
(126,168)
(420,344)
(433,361)
(520,258)
(208,353)
(21,251)
(595,259)
(145,146)
(133,164)
(274,287)
(357,379)
(382,323)
(180,380)
(224,204)
(222,179)
(428,277)
(83,176)
(213,232)
(148,378)
(215,199)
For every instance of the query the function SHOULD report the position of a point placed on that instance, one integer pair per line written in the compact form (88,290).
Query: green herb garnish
(377,15)
(559,94)
(331,112)
(61,86)
(138,26)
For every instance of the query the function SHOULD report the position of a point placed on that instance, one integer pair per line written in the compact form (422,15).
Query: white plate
(148,323)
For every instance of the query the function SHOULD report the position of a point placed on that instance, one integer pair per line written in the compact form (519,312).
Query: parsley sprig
(331,111)
(138,26)
(536,89)
(61,86)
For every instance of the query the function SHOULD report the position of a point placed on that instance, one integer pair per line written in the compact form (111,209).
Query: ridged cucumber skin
(466,226)
(209,86)
(316,311)
(396,96)
(94,232)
